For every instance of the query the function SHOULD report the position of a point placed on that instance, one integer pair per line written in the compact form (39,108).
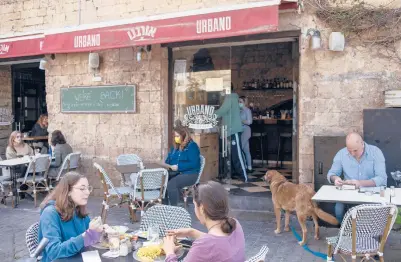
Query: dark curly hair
(57,138)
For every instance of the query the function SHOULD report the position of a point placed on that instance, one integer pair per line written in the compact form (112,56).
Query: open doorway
(266,73)
(29,95)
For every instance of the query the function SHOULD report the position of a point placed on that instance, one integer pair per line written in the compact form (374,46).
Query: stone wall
(5,102)
(102,137)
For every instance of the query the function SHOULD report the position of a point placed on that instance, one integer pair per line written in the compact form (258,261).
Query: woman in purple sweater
(224,240)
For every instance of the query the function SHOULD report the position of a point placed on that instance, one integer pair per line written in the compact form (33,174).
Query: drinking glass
(153,233)
(114,243)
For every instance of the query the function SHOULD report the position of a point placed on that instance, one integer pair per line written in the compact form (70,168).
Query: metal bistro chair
(70,162)
(123,194)
(363,232)
(32,237)
(259,257)
(150,187)
(36,176)
(166,217)
(128,159)
(186,190)
(6,185)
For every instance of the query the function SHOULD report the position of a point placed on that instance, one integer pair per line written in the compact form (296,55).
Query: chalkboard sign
(98,99)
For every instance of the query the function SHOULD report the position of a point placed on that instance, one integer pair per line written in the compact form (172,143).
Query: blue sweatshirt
(188,160)
(65,238)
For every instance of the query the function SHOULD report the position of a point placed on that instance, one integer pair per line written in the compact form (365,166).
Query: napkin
(108,254)
(91,256)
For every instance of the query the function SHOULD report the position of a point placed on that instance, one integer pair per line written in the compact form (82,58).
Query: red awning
(21,46)
(169,28)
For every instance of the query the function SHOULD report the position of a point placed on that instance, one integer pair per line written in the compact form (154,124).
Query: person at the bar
(64,220)
(246,119)
(17,147)
(40,129)
(184,163)
(361,164)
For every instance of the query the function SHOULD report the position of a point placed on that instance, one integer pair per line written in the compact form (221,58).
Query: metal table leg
(15,192)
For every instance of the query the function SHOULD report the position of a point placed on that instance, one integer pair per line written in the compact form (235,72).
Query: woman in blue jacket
(64,221)
(184,162)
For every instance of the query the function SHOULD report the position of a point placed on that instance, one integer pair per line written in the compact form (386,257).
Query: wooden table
(12,163)
(35,138)
(333,195)
(396,200)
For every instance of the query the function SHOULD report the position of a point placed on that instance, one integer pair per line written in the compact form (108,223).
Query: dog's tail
(325,216)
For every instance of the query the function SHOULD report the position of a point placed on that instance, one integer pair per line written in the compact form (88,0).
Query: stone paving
(258,228)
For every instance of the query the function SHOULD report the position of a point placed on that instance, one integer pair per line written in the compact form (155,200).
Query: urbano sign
(200,117)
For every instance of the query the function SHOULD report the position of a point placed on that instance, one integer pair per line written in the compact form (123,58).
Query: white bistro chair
(70,162)
(363,232)
(187,190)
(150,187)
(35,179)
(111,193)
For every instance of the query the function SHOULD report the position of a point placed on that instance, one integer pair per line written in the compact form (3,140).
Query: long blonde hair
(12,138)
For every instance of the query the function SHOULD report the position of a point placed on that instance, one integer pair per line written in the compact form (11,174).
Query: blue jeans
(340,209)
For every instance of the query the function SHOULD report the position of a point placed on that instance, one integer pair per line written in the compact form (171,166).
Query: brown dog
(292,197)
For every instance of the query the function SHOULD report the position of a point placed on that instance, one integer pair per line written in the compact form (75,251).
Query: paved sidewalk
(258,227)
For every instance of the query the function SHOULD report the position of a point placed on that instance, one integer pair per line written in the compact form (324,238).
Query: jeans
(175,185)
(340,209)
(245,136)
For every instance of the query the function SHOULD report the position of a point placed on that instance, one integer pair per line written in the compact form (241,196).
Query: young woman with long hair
(184,162)
(224,240)
(17,147)
(64,220)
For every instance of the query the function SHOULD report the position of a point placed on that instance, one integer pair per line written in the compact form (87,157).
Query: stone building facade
(334,87)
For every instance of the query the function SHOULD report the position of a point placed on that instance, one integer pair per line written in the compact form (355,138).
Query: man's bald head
(355,145)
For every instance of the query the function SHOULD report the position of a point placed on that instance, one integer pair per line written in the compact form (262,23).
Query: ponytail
(229,224)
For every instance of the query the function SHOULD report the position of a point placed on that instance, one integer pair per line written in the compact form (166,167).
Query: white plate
(120,229)
(141,234)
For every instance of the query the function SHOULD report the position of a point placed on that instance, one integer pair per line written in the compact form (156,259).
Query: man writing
(363,165)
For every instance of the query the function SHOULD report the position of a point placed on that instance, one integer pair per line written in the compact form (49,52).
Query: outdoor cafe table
(12,163)
(396,200)
(134,168)
(35,138)
(127,258)
(334,195)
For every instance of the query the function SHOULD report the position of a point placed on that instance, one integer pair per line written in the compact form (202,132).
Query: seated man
(363,165)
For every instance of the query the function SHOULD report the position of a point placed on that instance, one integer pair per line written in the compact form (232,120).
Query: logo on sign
(82,41)
(218,24)
(142,32)
(4,49)
(200,117)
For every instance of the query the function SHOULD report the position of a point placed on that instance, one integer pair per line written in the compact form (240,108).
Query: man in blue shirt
(361,164)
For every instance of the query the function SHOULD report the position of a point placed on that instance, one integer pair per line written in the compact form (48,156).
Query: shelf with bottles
(281,83)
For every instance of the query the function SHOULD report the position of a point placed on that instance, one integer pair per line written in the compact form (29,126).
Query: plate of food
(120,229)
(154,253)
(141,234)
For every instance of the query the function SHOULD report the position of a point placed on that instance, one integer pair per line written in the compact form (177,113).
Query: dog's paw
(317,237)
(301,243)
(277,231)
(287,229)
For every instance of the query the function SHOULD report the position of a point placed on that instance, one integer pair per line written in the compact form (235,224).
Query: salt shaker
(124,249)
(382,191)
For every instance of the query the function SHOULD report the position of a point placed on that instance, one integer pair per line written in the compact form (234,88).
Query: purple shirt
(216,248)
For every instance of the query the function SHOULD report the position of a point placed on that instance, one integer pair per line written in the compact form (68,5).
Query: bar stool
(284,134)
(258,131)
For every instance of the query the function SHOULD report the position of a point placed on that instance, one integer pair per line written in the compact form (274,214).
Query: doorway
(263,72)
(29,95)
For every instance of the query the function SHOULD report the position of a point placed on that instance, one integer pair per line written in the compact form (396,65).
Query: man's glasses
(89,188)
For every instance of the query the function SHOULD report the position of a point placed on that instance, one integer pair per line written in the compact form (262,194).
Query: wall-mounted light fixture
(316,42)
(43,64)
(141,52)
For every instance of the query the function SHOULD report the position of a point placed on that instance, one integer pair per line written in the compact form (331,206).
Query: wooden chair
(149,188)
(111,193)
(363,232)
